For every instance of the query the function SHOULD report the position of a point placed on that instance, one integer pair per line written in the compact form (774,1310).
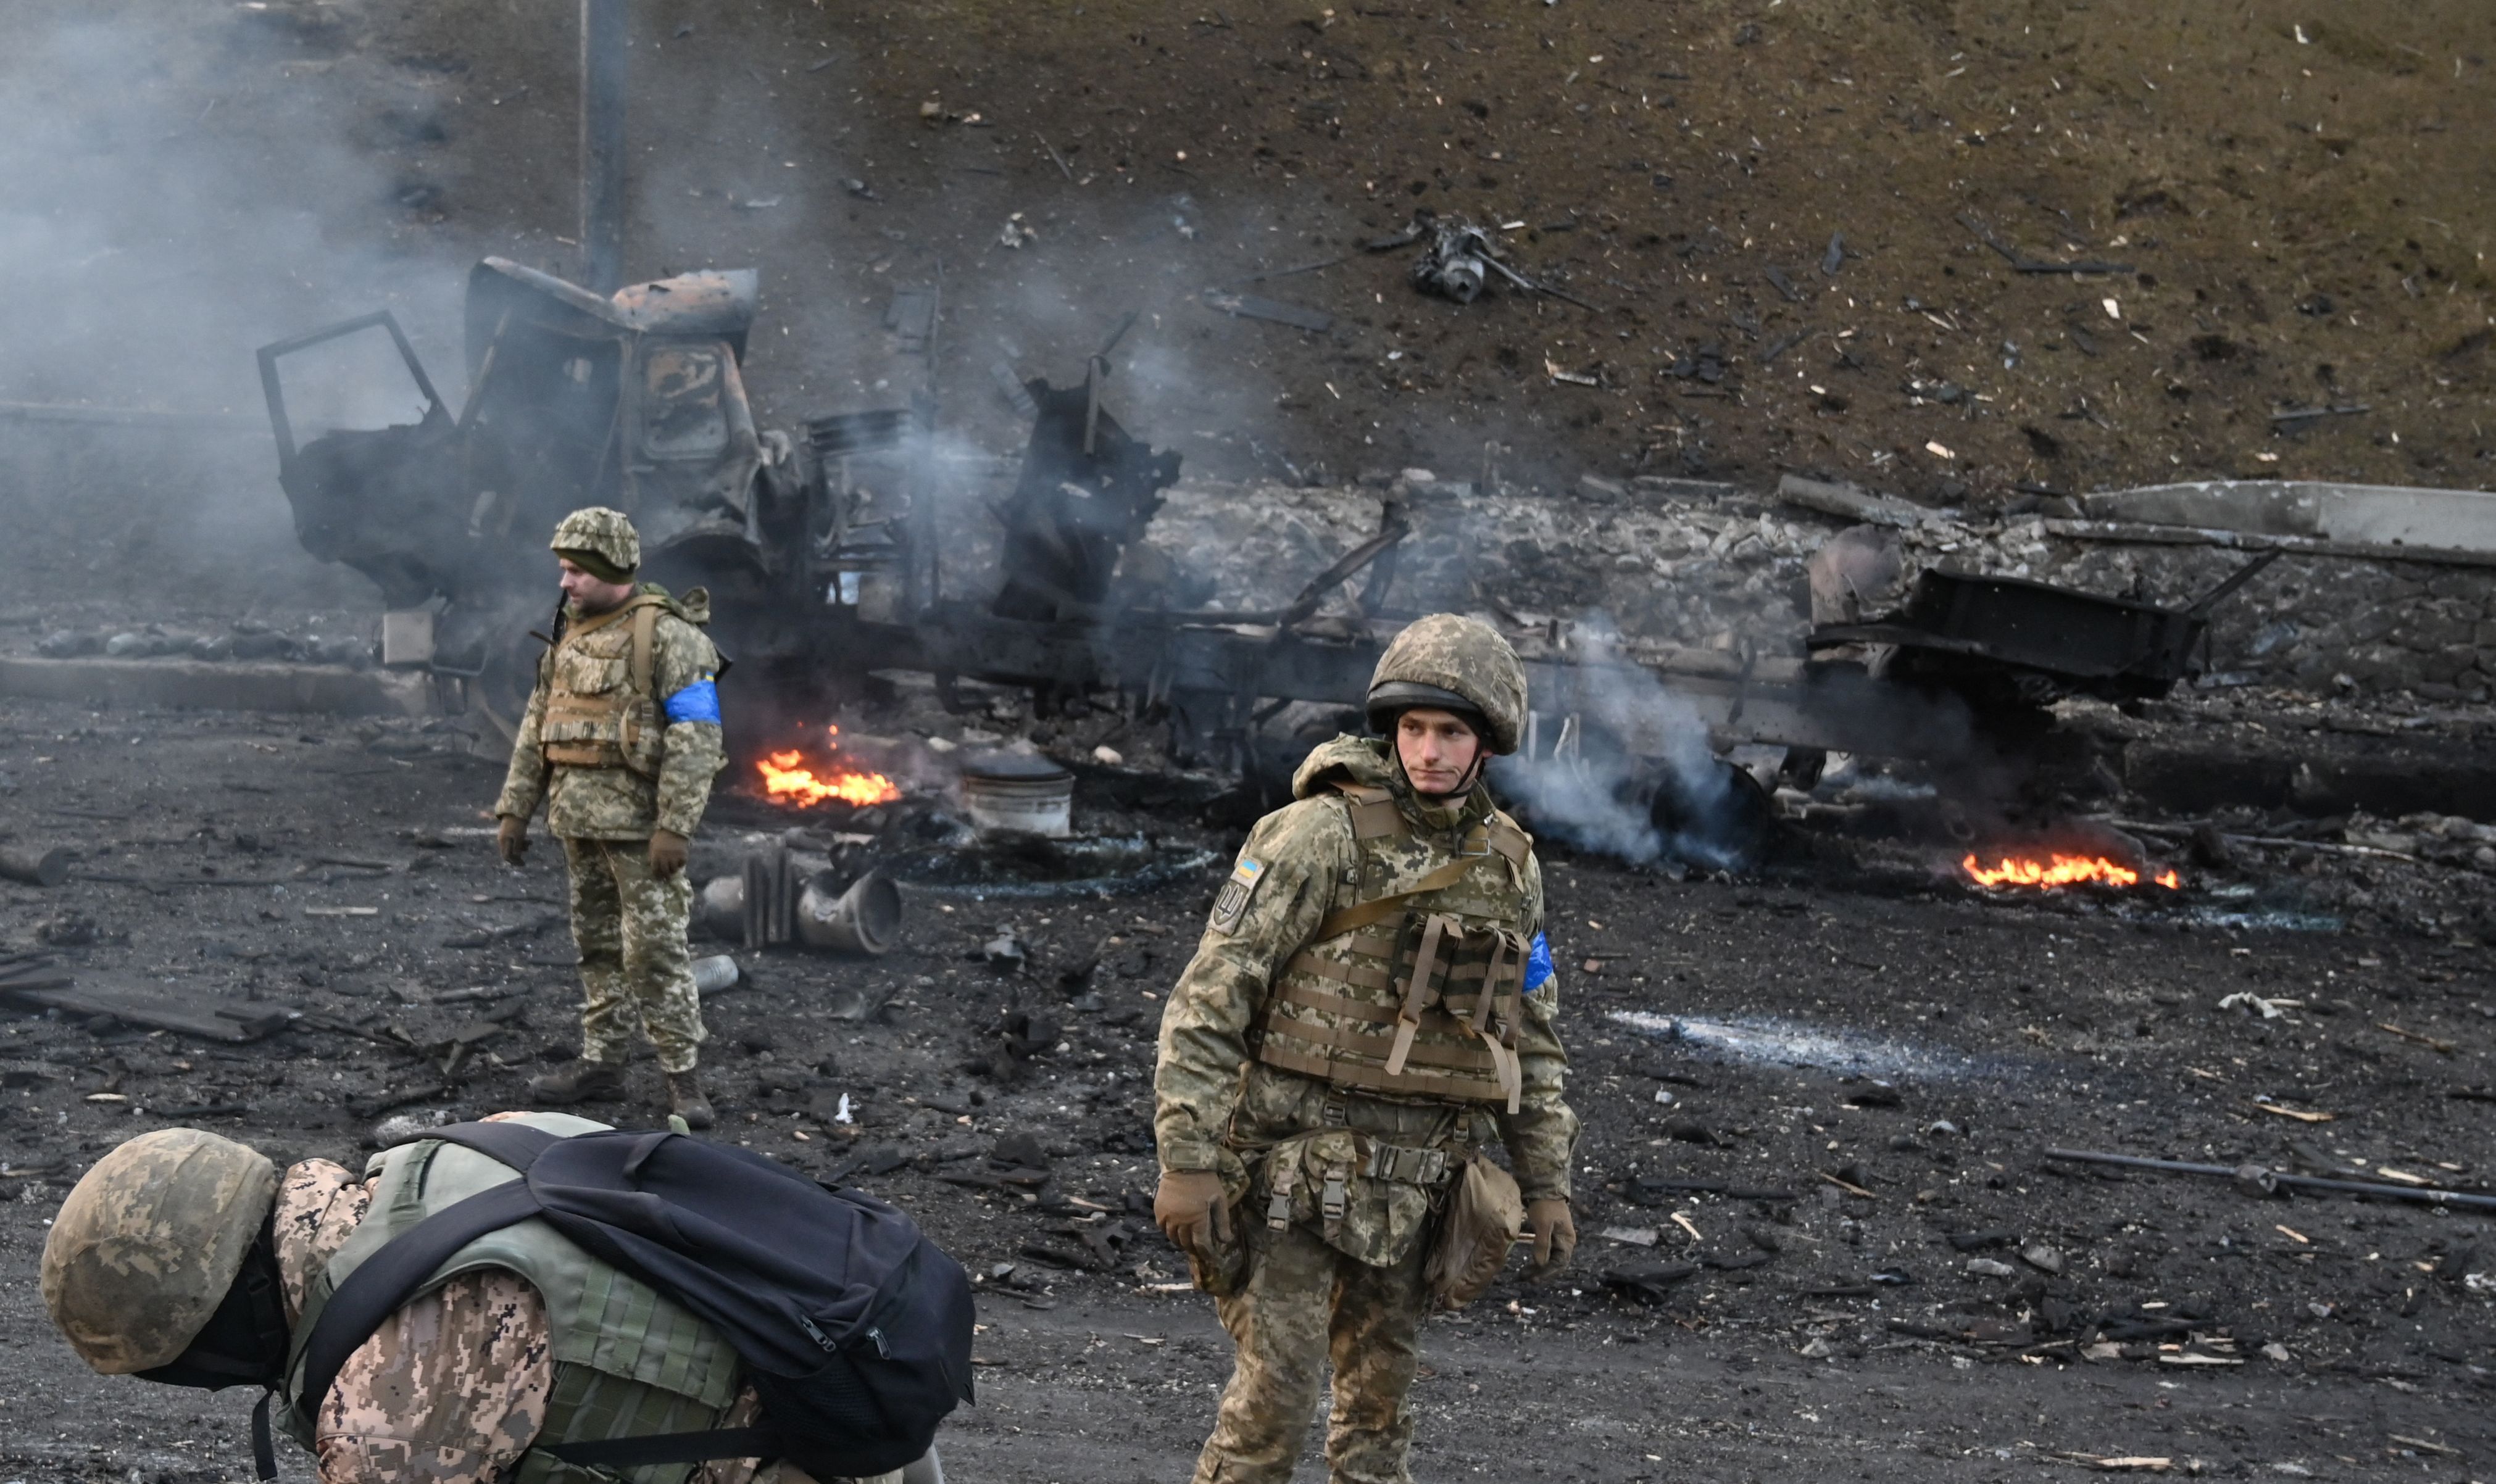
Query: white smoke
(1594,777)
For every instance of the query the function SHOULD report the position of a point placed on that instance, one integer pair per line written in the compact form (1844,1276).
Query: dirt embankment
(2299,199)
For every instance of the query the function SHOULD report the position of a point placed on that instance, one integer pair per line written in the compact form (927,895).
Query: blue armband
(696,702)
(1538,964)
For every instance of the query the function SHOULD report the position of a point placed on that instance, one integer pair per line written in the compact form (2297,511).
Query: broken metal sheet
(2369,514)
(210,1019)
(912,317)
(2042,639)
(1251,306)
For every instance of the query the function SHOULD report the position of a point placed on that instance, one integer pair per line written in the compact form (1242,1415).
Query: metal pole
(2266,1179)
(601,143)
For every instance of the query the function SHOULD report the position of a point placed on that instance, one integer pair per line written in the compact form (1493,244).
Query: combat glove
(666,853)
(1192,1209)
(1555,1234)
(512,840)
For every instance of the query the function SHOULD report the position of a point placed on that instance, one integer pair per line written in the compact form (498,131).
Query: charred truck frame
(637,401)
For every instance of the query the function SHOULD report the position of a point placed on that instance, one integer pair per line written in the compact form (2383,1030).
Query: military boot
(685,1098)
(583,1081)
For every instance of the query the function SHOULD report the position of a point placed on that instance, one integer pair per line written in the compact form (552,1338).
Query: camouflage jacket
(453,1387)
(618,803)
(1310,857)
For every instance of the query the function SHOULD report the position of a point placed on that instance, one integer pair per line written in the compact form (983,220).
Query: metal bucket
(1018,793)
(865,919)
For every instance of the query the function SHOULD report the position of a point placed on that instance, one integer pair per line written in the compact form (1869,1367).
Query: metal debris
(1251,306)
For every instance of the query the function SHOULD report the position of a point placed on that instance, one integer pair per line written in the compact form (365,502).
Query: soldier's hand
(666,853)
(1190,1207)
(512,840)
(1555,1233)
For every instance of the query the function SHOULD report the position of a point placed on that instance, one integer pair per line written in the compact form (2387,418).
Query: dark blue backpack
(854,1330)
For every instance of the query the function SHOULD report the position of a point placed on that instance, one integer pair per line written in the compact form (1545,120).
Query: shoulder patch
(1230,904)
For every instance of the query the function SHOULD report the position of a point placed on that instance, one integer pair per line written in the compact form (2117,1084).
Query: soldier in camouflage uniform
(188,1258)
(621,739)
(1370,1007)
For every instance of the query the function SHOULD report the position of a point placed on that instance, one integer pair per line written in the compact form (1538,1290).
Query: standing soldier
(1369,1009)
(622,739)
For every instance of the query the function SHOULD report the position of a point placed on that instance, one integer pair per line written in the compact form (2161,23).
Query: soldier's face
(590,593)
(1438,750)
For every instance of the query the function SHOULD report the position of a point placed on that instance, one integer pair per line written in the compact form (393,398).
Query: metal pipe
(2266,1179)
(601,143)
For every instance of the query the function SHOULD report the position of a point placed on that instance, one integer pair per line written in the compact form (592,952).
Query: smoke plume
(1631,773)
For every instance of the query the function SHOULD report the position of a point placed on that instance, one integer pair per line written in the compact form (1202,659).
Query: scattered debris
(1251,306)
(1458,260)
(1650,1285)
(28,983)
(2043,1259)
(35,866)
(2301,1115)
(2262,1180)
(2023,264)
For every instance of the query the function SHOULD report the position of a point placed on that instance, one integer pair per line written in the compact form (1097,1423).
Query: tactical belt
(1406,1166)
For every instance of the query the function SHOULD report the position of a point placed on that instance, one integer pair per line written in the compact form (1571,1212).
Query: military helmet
(600,541)
(150,1240)
(1450,663)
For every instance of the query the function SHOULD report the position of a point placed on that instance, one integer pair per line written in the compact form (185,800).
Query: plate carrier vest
(600,712)
(627,1360)
(1430,1005)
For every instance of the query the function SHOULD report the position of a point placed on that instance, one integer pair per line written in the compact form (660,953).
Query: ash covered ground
(1798,1086)
(2301,203)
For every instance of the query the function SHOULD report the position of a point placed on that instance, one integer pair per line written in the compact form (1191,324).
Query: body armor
(600,712)
(1413,991)
(627,1360)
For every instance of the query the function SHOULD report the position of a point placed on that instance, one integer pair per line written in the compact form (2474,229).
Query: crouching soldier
(1370,1008)
(621,739)
(189,1259)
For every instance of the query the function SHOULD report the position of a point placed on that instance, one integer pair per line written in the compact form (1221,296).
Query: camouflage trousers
(1303,1305)
(636,970)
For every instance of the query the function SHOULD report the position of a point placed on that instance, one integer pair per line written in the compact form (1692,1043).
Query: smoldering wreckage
(976,698)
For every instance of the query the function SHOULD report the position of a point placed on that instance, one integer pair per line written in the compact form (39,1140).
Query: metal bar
(2426,1194)
(2234,580)
(603,55)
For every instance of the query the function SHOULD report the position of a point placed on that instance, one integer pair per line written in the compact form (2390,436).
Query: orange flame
(789,779)
(2061,871)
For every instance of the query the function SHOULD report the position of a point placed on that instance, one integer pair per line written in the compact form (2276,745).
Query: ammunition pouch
(1368,1201)
(1461,988)
(1485,1215)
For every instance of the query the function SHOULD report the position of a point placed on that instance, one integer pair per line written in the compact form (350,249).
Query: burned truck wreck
(826,560)
(636,400)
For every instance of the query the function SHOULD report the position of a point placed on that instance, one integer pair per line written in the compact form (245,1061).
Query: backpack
(854,1329)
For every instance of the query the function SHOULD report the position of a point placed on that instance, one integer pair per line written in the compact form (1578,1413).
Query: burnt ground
(1848,1014)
